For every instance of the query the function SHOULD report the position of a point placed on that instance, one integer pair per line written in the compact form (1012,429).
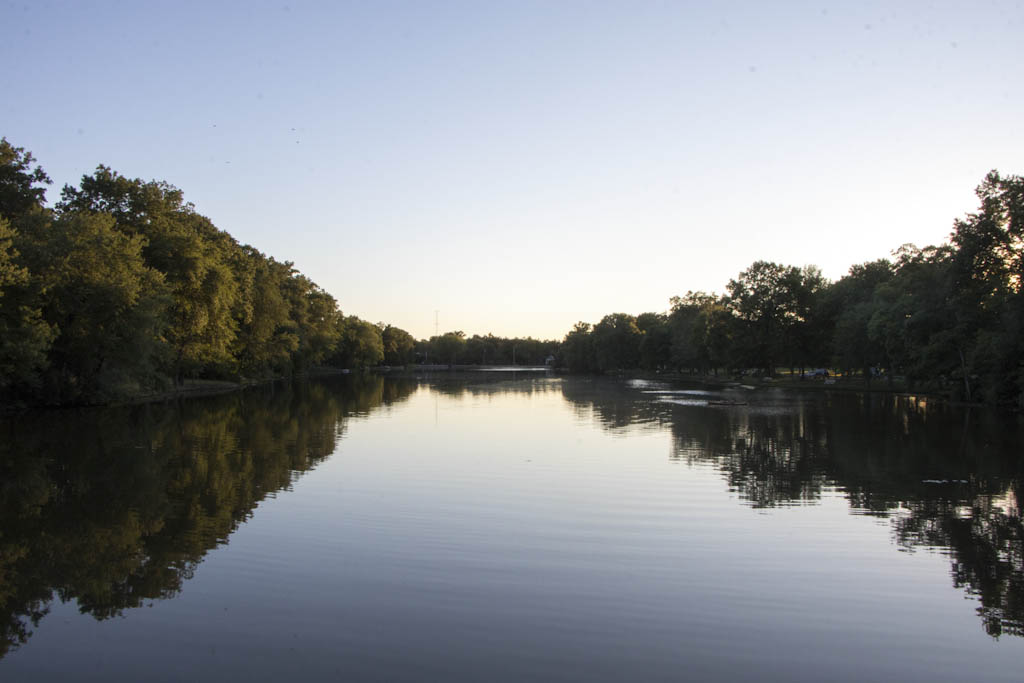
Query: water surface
(509,527)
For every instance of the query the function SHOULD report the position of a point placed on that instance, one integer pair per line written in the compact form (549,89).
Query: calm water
(512,527)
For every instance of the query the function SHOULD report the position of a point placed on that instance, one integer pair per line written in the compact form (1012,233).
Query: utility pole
(435,322)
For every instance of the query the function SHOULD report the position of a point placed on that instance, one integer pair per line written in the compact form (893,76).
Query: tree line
(456,348)
(947,318)
(123,288)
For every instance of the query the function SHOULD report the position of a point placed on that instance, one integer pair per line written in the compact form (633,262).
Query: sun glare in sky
(515,167)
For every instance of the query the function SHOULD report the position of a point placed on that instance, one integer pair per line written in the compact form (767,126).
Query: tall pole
(435,322)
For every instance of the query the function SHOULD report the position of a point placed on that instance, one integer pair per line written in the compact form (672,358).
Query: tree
(483,350)
(316,318)
(20,184)
(25,338)
(989,245)
(696,338)
(656,345)
(845,311)
(617,342)
(193,255)
(449,346)
(807,332)
(986,296)
(765,298)
(398,345)
(267,334)
(107,306)
(134,203)
(577,349)
(360,345)
(203,290)
(912,320)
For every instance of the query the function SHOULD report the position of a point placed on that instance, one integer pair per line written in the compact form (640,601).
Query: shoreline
(842,385)
(200,388)
(191,388)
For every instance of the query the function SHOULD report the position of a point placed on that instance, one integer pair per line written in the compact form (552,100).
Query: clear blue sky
(520,166)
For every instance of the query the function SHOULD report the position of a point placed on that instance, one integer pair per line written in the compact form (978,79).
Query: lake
(512,526)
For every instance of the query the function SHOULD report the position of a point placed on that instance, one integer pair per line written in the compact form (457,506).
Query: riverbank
(198,388)
(834,383)
(194,388)
(190,388)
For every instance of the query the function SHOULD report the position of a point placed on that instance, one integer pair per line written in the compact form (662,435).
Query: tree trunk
(963,369)
(177,369)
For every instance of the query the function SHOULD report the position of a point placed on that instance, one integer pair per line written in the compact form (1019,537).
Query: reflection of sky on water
(442,526)
(683,401)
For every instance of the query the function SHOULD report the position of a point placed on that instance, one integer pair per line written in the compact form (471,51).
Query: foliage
(123,287)
(492,350)
(186,248)
(577,352)
(317,321)
(700,326)
(267,336)
(107,306)
(25,338)
(946,319)
(360,344)
(448,347)
(765,299)
(617,342)
(655,348)
(847,307)
(399,345)
(20,184)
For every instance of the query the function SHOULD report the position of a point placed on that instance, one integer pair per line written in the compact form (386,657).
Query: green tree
(577,350)
(701,331)
(267,335)
(807,334)
(107,305)
(316,318)
(203,289)
(360,344)
(655,349)
(22,188)
(912,320)
(765,298)
(989,246)
(449,346)
(483,350)
(617,342)
(193,255)
(398,345)
(846,309)
(986,297)
(25,338)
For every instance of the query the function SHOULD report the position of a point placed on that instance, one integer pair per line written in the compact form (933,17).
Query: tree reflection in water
(949,479)
(116,507)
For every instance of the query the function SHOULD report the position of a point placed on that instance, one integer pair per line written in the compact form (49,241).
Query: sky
(515,167)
